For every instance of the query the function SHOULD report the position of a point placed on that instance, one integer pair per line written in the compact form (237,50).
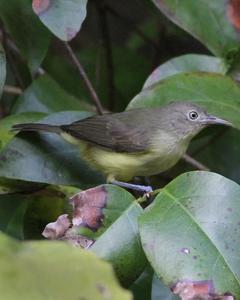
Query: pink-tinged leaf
(198,290)
(88,207)
(233,12)
(40,6)
(63,18)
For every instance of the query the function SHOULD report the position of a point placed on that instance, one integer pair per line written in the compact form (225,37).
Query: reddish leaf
(87,207)
(233,12)
(40,6)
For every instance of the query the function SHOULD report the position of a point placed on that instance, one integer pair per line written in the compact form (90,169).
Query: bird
(136,142)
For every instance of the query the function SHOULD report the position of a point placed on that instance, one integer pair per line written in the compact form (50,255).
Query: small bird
(136,142)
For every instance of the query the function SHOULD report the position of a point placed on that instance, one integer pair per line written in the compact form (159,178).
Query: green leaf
(47,158)
(63,18)
(191,231)
(184,64)
(6,124)
(213,22)
(46,95)
(38,270)
(120,244)
(218,94)
(24,27)
(2,69)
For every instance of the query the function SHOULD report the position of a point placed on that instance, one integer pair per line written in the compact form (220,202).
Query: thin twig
(108,51)
(196,164)
(14,90)
(85,78)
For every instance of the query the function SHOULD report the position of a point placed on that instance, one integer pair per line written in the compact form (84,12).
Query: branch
(196,164)
(8,89)
(85,78)
(108,51)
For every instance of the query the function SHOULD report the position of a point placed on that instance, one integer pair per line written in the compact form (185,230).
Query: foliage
(135,54)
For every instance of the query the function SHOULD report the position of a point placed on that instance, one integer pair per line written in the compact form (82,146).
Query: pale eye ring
(193,115)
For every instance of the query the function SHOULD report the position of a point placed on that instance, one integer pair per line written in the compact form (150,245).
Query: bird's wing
(111,132)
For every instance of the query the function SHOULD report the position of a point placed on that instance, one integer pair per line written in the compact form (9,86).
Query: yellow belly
(124,166)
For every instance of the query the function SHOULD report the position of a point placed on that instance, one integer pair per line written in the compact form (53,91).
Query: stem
(85,78)
(190,160)
(108,51)
(8,89)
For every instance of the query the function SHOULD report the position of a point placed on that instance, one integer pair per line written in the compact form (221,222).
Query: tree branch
(108,51)
(8,89)
(196,164)
(85,78)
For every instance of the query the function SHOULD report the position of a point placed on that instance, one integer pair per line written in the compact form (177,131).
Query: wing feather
(109,131)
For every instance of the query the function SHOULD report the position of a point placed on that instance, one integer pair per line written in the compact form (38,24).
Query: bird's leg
(141,188)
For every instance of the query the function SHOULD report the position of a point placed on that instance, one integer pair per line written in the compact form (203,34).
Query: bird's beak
(215,120)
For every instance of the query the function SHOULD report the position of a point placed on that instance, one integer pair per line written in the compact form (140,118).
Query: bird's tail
(37,127)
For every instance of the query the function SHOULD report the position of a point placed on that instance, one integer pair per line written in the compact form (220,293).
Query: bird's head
(187,119)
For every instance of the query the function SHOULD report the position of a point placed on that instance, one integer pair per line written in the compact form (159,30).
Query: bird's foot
(146,189)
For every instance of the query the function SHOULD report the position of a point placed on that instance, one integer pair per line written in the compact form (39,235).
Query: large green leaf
(2,69)
(63,18)
(215,23)
(184,64)
(120,245)
(47,158)
(27,31)
(219,94)
(38,270)
(191,231)
(46,95)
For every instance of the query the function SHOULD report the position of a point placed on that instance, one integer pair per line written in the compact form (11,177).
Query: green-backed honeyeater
(136,142)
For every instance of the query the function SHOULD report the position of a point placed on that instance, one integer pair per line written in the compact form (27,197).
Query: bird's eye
(193,115)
